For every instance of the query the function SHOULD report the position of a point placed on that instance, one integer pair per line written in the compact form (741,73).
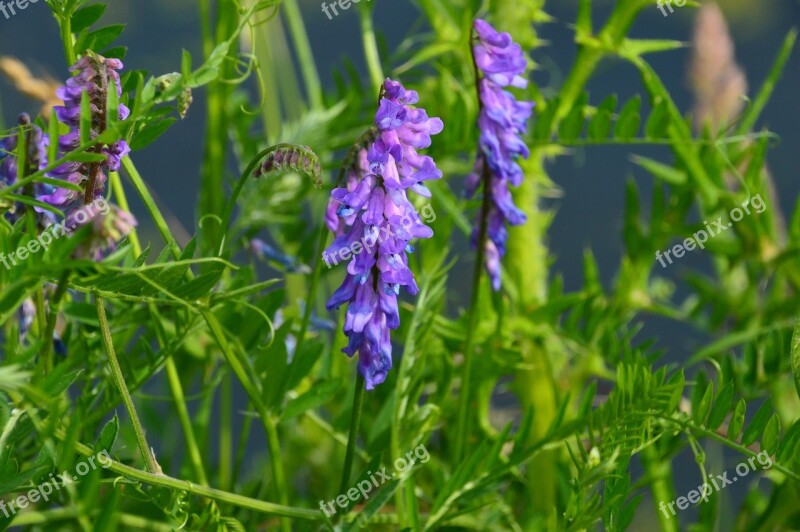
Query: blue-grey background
(589,215)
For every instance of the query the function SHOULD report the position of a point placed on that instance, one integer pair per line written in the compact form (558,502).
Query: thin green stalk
(371,48)
(312,289)
(462,423)
(48,517)
(172,372)
(23,163)
(689,428)
(225,434)
(463,420)
(119,194)
(149,202)
(119,379)
(186,423)
(659,473)
(270,426)
(66,38)
(355,421)
(304,55)
(52,318)
(203,491)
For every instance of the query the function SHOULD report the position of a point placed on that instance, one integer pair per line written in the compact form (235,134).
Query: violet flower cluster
(375,209)
(37,143)
(502,121)
(94,76)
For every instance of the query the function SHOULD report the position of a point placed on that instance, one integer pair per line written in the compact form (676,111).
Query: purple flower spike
(501,122)
(36,160)
(94,76)
(374,221)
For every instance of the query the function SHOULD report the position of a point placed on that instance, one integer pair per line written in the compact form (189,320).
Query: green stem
(312,289)
(659,473)
(688,428)
(119,379)
(119,194)
(225,433)
(462,423)
(355,421)
(149,203)
(304,55)
(371,48)
(463,420)
(203,491)
(254,395)
(66,38)
(186,424)
(52,318)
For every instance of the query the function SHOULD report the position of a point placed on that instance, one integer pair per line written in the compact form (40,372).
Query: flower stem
(303,48)
(203,491)
(462,426)
(463,422)
(312,290)
(355,421)
(186,424)
(371,48)
(270,427)
(119,379)
(55,301)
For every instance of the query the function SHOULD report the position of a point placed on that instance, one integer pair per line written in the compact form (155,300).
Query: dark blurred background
(589,215)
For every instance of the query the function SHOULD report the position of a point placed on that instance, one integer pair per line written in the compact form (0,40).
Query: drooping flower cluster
(36,160)
(502,121)
(378,223)
(95,75)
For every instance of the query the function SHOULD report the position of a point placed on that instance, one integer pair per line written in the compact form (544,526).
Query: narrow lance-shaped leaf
(737,420)
(758,424)
(795,354)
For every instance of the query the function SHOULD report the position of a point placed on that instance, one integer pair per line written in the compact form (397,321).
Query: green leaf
(209,71)
(638,47)
(376,502)
(86,16)
(600,125)
(572,125)
(664,172)
(795,353)
(319,394)
(105,442)
(629,120)
(758,423)
(151,132)
(704,405)
(722,406)
(99,39)
(737,420)
(751,114)
(772,434)
(790,445)
(658,121)
(677,381)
